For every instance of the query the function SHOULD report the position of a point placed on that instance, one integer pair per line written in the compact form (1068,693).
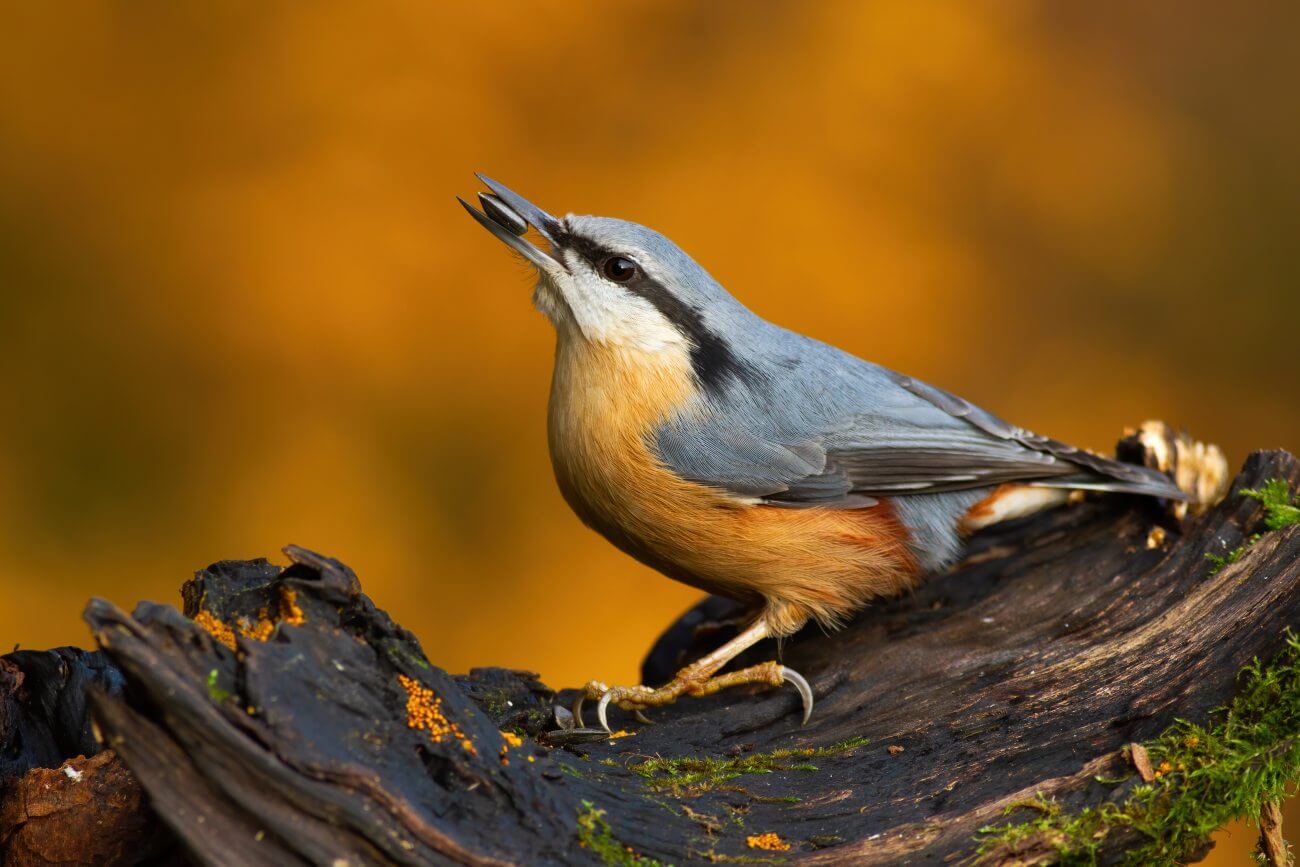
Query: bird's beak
(508,215)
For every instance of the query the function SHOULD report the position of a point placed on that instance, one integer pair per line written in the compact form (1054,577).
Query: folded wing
(875,433)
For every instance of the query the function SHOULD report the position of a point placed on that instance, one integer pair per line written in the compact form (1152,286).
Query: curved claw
(805,690)
(602,711)
(603,708)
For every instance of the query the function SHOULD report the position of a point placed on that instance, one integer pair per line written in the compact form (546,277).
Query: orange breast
(801,563)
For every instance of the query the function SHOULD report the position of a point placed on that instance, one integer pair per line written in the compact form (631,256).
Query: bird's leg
(699,678)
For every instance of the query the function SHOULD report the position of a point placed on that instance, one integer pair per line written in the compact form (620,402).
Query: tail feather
(1150,483)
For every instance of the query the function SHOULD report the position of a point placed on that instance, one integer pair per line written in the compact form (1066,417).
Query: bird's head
(613,282)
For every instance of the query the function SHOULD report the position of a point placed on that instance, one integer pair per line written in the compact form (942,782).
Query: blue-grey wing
(1061,464)
(843,437)
(751,465)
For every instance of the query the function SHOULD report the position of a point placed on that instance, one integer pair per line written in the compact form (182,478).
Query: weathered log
(56,805)
(282,718)
(86,811)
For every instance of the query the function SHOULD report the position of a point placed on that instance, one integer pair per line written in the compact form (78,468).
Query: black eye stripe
(593,253)
(711,358)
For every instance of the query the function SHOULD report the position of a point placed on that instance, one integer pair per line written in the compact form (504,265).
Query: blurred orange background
(239,306)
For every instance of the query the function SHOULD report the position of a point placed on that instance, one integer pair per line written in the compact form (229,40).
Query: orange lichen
(511,740)
(424,711)
(289,613)
(259,631)
(214,627)
(621,733)
(262,629)
(770,842)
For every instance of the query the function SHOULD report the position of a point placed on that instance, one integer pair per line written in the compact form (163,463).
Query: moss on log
(281,718)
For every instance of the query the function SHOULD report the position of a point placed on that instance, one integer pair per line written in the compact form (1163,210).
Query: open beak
(508,215)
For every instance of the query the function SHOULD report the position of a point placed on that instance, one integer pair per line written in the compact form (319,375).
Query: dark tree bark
(300,724)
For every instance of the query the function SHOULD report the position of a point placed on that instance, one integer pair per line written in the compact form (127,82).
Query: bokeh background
(239,306)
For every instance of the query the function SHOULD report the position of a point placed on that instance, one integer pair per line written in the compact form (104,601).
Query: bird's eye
(620,269)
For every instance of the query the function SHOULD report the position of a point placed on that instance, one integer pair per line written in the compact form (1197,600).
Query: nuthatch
(756,463)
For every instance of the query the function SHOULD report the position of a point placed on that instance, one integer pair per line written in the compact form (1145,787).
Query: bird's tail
(1152,484)
(1155,461)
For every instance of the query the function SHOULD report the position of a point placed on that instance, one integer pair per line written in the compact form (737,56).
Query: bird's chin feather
(551,303)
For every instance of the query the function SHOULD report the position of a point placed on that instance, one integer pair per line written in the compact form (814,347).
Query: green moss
(1232,556)
(595,834)
(400,652)
(1281,510)
(736,813)
(693,775)
(215,692)
(672,808)
(496,702)
(570,770)
(822,841)
(1247,754)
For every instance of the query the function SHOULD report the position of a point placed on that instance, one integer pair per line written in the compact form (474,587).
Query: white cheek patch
(606,313)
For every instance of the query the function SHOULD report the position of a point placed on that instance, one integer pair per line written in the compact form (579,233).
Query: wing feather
(874,433)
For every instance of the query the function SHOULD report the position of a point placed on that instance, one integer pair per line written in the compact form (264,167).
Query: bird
(753,462)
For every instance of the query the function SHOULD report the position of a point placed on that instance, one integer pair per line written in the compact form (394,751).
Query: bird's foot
(689,681)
